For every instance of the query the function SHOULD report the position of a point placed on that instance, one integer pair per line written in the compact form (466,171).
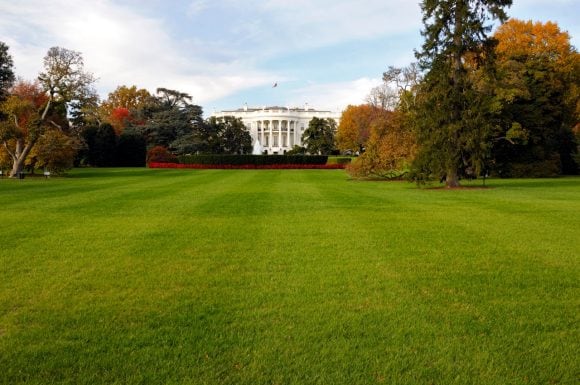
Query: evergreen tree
(6,73)
(168,118)
(453,113)
(6,80)
(131,149)
(101,145)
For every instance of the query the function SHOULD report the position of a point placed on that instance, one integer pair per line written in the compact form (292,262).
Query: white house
(275,130)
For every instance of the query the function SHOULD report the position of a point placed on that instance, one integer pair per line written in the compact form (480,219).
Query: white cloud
(123,46)
(119,46)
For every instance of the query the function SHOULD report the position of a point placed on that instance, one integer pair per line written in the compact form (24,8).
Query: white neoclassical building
(275,130)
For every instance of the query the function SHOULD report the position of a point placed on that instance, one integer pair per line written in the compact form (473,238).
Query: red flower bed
(248,166)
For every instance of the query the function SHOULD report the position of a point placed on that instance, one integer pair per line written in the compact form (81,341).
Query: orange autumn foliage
(121,104)
(119,118)
(518,38)
(22,106)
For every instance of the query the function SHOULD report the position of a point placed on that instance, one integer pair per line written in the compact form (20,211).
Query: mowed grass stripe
(268,276)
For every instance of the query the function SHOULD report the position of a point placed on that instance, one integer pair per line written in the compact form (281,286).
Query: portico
(277,129)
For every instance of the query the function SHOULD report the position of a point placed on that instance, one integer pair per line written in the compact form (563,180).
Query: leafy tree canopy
(539,90)
(32,107)
(318,138)
(354,128)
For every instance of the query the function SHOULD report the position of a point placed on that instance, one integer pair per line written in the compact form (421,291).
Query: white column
(281,134)
(270,136)
(287,139)
(296,133)
(262,134)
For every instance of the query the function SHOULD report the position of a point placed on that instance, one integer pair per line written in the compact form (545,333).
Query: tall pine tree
(6,71)
(453,111)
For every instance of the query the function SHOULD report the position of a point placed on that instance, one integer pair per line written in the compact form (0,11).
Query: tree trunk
(451,179)
(17,167)
(20,154)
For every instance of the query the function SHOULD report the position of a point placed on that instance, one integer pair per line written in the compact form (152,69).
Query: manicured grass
(140,276)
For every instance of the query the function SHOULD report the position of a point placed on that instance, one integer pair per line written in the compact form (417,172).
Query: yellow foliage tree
(390,149)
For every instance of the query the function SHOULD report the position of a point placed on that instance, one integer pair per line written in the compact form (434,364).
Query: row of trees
(168,119)
(508,104)
(58,119)
(473,104)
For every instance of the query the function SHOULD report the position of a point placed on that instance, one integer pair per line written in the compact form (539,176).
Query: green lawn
(138,276)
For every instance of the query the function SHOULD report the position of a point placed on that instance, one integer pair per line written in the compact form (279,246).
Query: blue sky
(224,53)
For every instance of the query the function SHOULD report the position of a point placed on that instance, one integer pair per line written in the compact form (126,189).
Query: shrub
(160,154)
(54,151)
(344,160)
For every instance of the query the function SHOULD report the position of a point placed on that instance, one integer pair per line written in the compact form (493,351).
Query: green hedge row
(258,160)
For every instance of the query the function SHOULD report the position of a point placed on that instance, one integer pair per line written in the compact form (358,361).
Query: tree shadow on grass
(82,173)
(563,182)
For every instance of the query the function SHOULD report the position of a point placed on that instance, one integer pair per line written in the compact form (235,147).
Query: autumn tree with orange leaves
(354,128)
(23,128)
(34,107)
(123,105)
(385,131)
